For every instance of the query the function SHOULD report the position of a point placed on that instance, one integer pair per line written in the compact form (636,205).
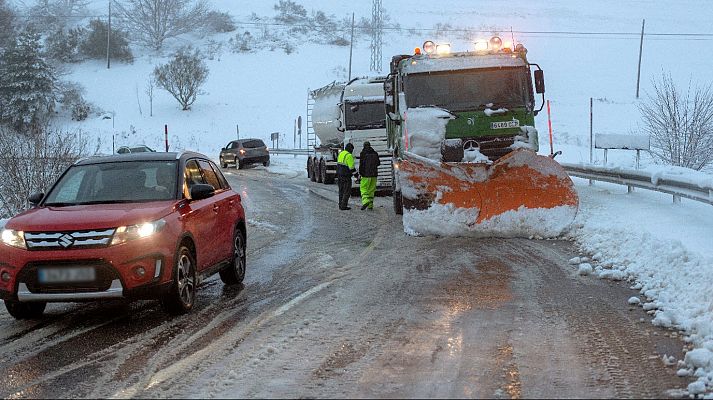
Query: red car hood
(84,217)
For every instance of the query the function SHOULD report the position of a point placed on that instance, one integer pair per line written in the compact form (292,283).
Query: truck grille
(68,240)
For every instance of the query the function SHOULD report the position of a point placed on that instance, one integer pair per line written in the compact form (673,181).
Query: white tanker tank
(326,113)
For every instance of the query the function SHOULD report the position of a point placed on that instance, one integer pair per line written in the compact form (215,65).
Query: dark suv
(244,151)
(135,226)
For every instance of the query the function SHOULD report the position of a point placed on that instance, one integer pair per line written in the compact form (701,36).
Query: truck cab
(474,101)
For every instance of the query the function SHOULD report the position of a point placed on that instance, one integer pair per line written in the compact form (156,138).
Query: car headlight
(14,238)
(124,234)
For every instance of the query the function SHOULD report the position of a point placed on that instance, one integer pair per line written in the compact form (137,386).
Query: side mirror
(539,81)
(201,191)
(35,198)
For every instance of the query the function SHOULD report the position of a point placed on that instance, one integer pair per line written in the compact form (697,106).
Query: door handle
(215,208)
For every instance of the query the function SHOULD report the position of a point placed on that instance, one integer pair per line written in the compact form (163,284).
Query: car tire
(266,163)
(20,310)
(223,163)
(182,294)
(235,272)
(238,164)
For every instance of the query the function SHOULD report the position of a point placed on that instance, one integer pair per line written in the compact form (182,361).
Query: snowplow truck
(351,112)
(461,128)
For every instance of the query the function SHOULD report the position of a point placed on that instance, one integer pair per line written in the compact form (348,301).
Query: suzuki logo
(66,240)
(471,120)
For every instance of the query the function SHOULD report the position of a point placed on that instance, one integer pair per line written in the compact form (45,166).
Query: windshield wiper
(59,204)
(85,203)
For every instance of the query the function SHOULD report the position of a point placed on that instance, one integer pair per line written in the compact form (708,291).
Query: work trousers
(367,188)
(345,189)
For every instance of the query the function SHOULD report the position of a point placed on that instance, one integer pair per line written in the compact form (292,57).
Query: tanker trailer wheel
(316,170)
(309,169)
(323,173)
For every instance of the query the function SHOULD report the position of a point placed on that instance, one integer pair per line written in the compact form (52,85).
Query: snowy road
(343,304)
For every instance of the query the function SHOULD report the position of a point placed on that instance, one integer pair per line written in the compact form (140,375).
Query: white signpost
(622,142)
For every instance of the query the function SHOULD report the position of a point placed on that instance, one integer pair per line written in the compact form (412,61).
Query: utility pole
(351,47)
(641,48)
(108,40)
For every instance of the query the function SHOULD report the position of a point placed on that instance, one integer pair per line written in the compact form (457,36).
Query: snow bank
(425,130)
(448,220)
(676,282)
(2,223)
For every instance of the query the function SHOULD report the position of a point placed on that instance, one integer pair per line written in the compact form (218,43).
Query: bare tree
(680,123)
(150,85)
(32,163)
(154,21)
(183,76)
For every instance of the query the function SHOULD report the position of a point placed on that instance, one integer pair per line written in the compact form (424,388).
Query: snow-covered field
(663,249)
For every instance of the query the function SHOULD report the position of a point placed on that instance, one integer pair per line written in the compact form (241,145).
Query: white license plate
(66,275)
(505,124)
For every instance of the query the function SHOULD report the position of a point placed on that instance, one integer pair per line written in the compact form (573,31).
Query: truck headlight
(14,238)
(124,234)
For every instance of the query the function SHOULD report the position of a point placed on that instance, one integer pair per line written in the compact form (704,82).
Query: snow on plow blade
(521,195)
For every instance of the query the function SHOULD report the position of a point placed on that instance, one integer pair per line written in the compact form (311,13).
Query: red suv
(134,226)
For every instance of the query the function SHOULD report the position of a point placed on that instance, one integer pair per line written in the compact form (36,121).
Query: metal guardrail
(299,152)
(632,178)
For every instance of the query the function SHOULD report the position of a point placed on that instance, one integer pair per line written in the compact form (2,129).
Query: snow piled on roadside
(675,278)
(2,223)
(449,220)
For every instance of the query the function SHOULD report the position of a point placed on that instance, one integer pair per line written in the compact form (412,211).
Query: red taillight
(242,151)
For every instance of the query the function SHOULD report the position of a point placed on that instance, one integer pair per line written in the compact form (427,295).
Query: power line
(407,29)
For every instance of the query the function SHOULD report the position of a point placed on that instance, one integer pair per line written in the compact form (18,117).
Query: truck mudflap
(520,195)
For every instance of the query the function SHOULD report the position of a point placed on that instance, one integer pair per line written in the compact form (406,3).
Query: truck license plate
(505,124)
(66,275)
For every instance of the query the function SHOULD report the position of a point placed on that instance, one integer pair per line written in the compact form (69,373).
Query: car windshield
(115,182)
(251,144)
(468,90)
(365,115)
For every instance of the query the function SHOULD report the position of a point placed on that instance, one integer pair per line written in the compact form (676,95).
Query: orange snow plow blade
(520,195)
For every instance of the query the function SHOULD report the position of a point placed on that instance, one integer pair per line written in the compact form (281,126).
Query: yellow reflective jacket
(345,164)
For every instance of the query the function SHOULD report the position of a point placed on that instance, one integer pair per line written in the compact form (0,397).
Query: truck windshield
(115,182)
(365,115)
(467,90)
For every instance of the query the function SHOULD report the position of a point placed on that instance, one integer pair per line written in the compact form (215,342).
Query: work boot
(345,208)
(364,206)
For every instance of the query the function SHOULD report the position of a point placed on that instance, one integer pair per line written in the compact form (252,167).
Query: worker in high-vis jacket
(345,171)
(368,171)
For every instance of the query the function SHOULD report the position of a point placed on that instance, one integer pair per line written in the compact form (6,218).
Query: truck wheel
(238,164)
(396,194)
(182,294)
(398,203)
(310,169)
(223,163)
(21,310)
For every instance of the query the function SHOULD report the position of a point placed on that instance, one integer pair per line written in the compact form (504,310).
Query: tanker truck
(461,126)
(351,112)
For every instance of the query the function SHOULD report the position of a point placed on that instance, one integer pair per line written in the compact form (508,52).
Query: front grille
(104,273)
(68,240)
